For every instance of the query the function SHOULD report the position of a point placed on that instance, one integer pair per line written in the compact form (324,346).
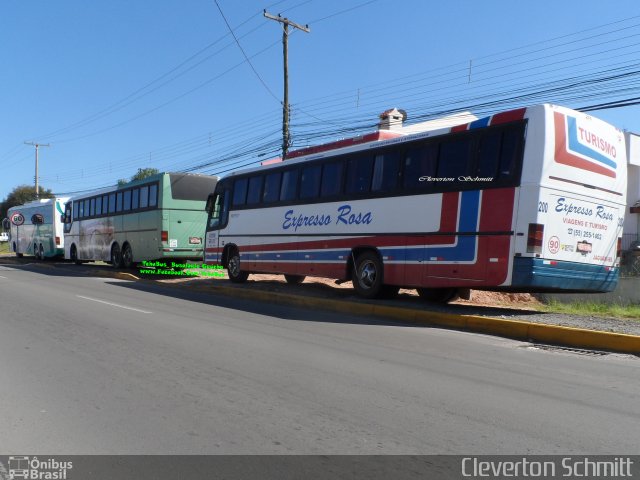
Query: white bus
(159,218)
(528,200)
(36,228)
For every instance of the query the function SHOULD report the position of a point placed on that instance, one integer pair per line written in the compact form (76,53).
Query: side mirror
(6,224)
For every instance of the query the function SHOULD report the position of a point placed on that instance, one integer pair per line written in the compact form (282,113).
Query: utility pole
(37,145)
(286,138)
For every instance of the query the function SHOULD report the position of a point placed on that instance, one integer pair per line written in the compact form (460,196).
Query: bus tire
(127,257)
(294,279)
(116,256)
(233,268)
(73,254)
(438,295)
(368,278)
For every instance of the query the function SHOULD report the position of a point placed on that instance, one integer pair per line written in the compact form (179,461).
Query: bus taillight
(58,241)
(619,248)
(164,236)
(534,238)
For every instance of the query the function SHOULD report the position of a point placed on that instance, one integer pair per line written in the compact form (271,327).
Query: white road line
(2,276)
(113,304)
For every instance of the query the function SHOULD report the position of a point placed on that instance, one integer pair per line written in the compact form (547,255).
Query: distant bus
(529,200)
(159,218)
(35,228)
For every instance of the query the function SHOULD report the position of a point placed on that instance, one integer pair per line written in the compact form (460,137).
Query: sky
(121,85)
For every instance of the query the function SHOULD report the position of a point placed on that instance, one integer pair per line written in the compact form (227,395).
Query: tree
(22,194)
(142,174)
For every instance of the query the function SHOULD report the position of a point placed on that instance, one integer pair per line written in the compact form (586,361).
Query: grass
(596,309)
(4,247)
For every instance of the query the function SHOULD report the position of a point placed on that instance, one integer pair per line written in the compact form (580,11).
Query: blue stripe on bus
(464,250)
(482,122)
(535,274)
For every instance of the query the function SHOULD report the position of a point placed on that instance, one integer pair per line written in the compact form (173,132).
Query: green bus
(160,218)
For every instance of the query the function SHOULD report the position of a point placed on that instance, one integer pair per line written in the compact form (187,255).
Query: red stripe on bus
(510,116)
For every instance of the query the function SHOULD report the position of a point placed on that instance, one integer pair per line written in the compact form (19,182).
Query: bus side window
(105,204)
(126,206)
(92,207)
(144,196)
(118,202)
(219,214)
(420,165)
(135,198)
(455,158)
(98,211)
(112,203)
(359,171)
(331,183)
(488,155)
(386,170)
(67,217)
(289,184)
(240,192)
(214,216)
(310,182)
(224,218)
(509,153)
(272,187)
(153,195)
(79,209)
(255,190)
(87,210)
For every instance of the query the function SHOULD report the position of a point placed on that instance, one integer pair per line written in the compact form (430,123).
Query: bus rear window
(191,187)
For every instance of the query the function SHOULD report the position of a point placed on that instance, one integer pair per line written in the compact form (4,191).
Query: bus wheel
(368,275)
(438,295)
(233,268)
(73,254)
(116,256)
(294,279)
(41,251)
(127,257)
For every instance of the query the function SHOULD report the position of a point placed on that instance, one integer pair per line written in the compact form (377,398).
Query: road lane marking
(2,276)
(113,304)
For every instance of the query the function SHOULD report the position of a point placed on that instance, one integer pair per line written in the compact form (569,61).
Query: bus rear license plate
(195,240)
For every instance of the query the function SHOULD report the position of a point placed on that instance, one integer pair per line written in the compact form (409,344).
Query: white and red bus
(526,200)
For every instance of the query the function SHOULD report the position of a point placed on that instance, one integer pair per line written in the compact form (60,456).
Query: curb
(513,329)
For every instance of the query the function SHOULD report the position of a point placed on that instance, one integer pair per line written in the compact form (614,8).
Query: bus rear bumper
(540,275)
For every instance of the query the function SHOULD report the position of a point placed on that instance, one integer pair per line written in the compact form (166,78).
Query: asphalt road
(103,366)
